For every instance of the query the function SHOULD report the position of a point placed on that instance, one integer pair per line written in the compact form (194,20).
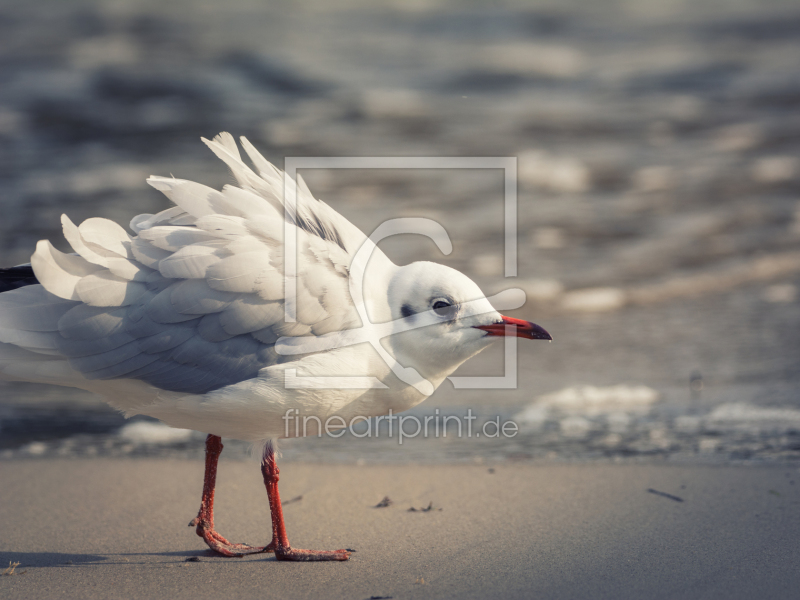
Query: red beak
(516,327)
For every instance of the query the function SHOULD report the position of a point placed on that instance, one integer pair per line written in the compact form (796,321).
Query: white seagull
(182,320)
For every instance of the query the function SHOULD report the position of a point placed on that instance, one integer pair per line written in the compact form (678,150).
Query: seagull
(234,308)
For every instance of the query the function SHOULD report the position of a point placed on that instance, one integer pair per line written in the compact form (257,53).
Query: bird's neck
(432,370)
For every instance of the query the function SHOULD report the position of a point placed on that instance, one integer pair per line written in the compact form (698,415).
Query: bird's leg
(280,541)
(205,518)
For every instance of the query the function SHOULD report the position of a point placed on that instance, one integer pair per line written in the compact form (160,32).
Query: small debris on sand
(429,508)
(665,495)
(295,499)
(384,503)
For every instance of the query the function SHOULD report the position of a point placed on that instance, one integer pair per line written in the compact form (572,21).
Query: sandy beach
(116,529)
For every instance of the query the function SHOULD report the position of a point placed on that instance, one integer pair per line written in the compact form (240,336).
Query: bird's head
(443,318)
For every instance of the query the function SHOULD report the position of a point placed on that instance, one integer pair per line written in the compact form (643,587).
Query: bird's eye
(443,308)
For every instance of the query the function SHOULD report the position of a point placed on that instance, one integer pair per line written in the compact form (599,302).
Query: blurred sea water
(658,148)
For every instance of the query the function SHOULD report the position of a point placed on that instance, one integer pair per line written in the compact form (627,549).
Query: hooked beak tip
(518,328)
(539,333)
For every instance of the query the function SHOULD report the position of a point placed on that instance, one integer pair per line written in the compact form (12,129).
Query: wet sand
(116,529)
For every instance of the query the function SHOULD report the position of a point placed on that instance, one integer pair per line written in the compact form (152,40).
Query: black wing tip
(12,278)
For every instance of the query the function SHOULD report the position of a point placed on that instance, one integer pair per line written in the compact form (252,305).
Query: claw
(222,546)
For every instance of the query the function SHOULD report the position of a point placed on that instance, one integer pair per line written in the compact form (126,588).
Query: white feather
(172,238)
(106,234)
(169,216)
(85,322)
(190,196)
(161,310)
(147,254)
(190,262)
(106,289)
(59,273)
(223,226)
(245,315)
(128,269)
(231,157)
(210,329)
(73,235)
(244,203)
(196,297)
(269,231)
(242,273)
(227,140)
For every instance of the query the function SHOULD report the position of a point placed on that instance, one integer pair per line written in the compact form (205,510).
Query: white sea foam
(575,426)
(742,413)
(144,432)
(35,448)
(616,403)
(589,400)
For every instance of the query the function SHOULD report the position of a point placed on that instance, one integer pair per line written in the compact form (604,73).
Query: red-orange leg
(204,522)
(280,541)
